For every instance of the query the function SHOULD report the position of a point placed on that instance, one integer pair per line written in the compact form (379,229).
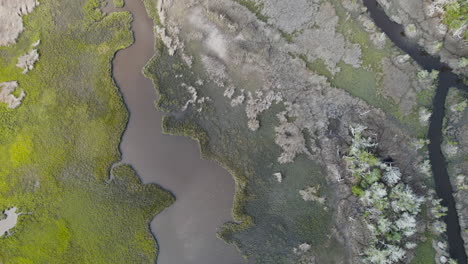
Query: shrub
(357,191)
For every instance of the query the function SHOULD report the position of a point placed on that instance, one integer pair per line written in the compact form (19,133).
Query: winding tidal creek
(447,79)
(186,231)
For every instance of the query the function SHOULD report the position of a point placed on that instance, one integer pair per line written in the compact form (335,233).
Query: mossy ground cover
(57,148)
(425,253)
(365,82)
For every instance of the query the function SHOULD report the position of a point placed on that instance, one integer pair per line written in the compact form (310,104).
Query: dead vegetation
(26,62)
(11,22)
(6,94)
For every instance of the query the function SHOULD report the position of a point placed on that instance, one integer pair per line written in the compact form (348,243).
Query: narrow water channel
(186,231)
(447,79)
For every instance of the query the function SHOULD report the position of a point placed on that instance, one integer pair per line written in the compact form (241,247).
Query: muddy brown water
(204,191)
(446,80)
(186,231)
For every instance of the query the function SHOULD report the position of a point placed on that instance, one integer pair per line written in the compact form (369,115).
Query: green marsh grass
(57,148)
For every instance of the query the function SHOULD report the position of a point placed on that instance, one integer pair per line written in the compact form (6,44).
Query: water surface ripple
(186,231)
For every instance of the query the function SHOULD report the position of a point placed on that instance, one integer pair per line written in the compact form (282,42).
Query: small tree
(392,175)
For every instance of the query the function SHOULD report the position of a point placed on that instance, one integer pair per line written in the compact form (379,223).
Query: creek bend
(186,231)
(446,80)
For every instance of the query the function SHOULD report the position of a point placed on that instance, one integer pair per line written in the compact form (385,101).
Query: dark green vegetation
(425,253)
(57,148)
(318,66)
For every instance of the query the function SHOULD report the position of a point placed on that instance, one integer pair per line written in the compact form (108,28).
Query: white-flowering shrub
(396,253)
(439,227)
(390,205)
(437,210)
(425,168)
(406,224)
(376,196)
(404,200)
(387,255)
(424,116)
(384,225)
(410,245)
(377,256)
(450,149)
(392,175)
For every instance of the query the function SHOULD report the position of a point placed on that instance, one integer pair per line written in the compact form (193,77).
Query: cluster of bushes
(456,16)
(456,13)
(390,206)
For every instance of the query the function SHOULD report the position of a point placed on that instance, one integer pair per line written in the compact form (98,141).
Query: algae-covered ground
(57,148)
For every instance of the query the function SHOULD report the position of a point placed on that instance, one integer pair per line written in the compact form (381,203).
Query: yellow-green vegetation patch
(456,14)
(355,33)
(119,3)
(57,148)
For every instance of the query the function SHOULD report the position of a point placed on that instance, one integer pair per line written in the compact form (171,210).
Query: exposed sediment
(27,61)
(11,21)
(11,218)
(6,94)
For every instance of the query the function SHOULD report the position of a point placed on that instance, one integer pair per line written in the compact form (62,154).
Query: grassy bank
(57,148)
